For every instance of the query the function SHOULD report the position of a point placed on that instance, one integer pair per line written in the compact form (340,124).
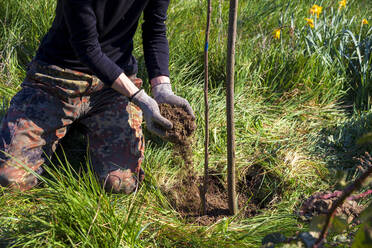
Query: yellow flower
(316,10)
(276,34)
(364,22)
(342,4)
(310,22)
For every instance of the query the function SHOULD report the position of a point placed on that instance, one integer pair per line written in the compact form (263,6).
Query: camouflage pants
(50,100)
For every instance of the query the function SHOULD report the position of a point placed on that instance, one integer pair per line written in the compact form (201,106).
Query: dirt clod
(181,133)
(183,124)
(319,203)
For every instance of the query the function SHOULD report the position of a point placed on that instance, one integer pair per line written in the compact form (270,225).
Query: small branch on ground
(338,193)
(345,194)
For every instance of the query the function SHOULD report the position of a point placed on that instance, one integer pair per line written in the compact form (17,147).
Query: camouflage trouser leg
(33,124)
(115,140)
(50,100)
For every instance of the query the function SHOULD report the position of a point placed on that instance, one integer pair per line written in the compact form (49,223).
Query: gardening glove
(155,123)
(163,94)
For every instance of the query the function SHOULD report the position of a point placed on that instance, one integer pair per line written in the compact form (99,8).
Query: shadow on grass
(4,243)
(21,219)
(72,148)
(11,237)
(338,146)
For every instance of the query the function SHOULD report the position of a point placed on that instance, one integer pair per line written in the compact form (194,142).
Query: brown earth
(185,199)
(184,196)
(181,133)
(183,124)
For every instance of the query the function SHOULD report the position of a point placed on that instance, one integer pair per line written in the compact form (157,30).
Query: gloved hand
(163,94)
(151,113)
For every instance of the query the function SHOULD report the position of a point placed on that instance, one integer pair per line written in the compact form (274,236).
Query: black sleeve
(81,23)
(155,43)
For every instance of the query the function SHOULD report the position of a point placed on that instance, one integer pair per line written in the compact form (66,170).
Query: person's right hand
(151,113)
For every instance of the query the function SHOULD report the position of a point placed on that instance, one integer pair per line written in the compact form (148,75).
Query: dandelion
(310,22)
(276,34)
(316,10)
(364,22)
(342,4)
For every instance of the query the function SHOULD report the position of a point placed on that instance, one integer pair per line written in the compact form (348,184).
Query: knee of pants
(122,181)
(16,178)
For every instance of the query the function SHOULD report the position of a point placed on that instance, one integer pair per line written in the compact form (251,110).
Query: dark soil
(183,124)
(264,187)
(185,199)
(255,192)
(181,133)
(184,196)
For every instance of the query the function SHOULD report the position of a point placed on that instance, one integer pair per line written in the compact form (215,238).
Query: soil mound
(184,196)
(185,199)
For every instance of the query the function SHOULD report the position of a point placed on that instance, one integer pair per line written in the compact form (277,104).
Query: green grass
(297,120)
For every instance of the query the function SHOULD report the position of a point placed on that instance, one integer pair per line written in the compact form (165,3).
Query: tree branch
(345,194)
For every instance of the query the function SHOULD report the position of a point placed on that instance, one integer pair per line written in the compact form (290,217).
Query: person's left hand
(163,94)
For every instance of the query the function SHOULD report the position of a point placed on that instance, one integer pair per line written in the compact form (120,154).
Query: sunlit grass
(294,120)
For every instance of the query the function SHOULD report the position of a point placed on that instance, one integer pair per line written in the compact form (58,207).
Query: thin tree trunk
(230,107)
(206,110)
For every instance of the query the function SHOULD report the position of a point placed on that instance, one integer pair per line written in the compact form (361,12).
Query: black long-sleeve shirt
(96,37)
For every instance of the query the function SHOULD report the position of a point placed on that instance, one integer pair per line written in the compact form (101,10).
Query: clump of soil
(183,124)
(182,131)
(321,203)
(184,195)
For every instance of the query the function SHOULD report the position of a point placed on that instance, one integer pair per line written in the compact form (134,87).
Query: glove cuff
(162,89)
(140,98)
(131,97)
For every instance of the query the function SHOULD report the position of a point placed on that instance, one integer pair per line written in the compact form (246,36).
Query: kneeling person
(84,71)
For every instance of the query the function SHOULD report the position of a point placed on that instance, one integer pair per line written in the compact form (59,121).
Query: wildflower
(310,22)
(316,10)
(342,4)
(276,34)
(364,22)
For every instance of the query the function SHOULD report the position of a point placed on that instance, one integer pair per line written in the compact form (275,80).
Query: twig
(350,198)
(361,195)
(337,193)
(206,110)
(345,194)
(230,106)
